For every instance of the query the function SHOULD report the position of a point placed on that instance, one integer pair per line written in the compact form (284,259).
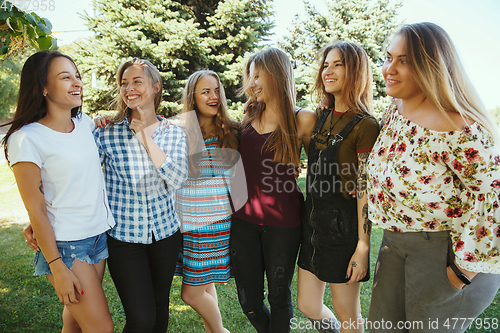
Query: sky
(474,27)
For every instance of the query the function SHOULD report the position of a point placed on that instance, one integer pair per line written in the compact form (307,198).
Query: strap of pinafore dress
(319,124)
(338,137)
(343,133)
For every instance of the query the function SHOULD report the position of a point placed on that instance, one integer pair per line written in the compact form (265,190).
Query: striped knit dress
(204,209)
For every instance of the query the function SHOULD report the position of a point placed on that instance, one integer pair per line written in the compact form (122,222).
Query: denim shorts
(91,250)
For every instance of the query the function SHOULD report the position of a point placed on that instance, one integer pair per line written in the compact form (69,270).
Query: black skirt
(329,243)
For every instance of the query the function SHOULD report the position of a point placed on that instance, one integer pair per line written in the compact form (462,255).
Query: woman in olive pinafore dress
(336,231)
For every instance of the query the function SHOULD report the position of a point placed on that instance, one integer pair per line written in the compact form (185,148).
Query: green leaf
(16,12)
(6,6)
(44,42)
(31,32)
(54,44)
(9,22)
(47,24)
(4,14)
(37,18)
(30,19)
(45,28)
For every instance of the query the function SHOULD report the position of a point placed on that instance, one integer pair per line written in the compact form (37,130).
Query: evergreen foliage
(364,22)
(10,72)
(178,37)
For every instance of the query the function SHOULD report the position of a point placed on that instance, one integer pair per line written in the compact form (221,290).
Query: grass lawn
(29,304)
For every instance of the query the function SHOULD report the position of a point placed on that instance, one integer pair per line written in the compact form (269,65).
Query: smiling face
(63,88)
(333,73)
(259,83)
(207,96)
(398,74)
(136,89)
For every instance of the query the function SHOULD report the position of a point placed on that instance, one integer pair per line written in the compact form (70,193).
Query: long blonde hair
(357,92)
(151,73)
(281,85)
(225,128)
(441,76)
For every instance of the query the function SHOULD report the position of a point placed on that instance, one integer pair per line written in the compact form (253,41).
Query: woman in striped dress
(203,201)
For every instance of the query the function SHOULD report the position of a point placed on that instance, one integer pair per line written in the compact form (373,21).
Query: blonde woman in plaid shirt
(144,161)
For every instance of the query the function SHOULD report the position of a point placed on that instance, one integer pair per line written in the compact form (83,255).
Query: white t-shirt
(73,183)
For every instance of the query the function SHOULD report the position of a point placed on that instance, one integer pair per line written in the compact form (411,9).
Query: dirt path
(3,130)
(11,206)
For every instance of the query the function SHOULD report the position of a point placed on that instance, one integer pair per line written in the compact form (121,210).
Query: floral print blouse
(425,180)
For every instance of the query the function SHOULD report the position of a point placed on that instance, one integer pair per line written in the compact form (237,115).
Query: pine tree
(10,72)
(178,37)
(364,22)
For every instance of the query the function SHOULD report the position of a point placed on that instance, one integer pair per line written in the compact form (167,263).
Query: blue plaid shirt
(141,197)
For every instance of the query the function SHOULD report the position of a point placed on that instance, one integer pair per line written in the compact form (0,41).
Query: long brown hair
(357,92)
(151,73)
(281,84)
(31,104)
(439,73)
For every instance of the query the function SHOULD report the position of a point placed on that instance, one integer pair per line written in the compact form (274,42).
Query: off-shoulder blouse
(426,180)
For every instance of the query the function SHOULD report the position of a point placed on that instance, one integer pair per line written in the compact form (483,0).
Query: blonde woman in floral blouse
(434,187)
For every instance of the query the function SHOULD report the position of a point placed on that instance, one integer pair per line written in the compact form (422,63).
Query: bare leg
(345,301)
(69,323)
(310,292)
(203,299)
(91,313)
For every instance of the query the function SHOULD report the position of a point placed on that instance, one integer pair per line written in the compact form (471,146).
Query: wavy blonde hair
(225,128)
(439,72)
(151,73)
(357,92)
(281,85)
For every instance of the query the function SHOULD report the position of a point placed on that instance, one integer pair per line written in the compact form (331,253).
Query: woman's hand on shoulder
(167,123)
(102,121)
(326,102)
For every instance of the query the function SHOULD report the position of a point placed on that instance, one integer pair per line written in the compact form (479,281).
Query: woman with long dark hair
(56,164)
